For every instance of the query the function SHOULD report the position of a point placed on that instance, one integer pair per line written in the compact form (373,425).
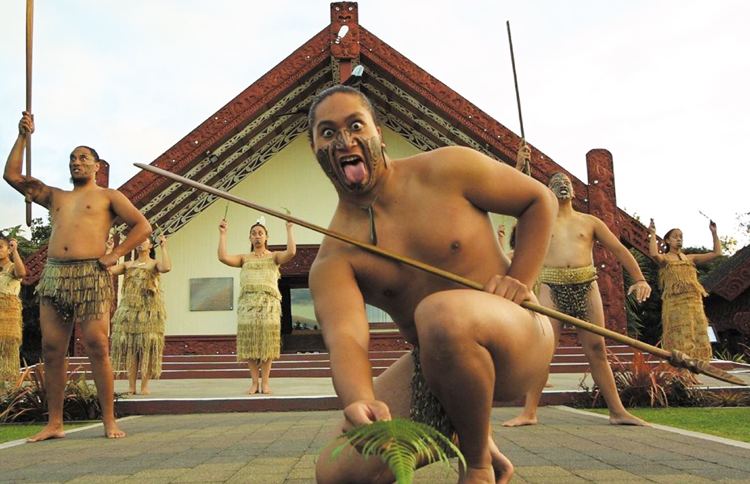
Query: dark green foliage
(644,319)
(401,444)
(40,233)
(26,400)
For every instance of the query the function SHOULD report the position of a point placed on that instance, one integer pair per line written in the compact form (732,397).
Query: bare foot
(145,391)
(131,391)
(113,431)
(51,431)
(253,389)
(548,385)
(627,419)
(481,475)
(500,464)
(521,420)
(266,390)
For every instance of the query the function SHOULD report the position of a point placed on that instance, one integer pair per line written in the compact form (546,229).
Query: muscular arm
(26,185)
(139,226)
(608,240)
(496,187)
(611,243)
(291,247)
(340,309)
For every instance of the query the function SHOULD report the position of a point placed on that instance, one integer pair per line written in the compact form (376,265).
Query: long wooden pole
(29,50)
(675,358)
(515,79)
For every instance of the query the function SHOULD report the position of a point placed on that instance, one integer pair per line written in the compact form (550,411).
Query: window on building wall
(303,312)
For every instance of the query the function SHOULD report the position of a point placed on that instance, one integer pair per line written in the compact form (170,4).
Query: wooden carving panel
(200,345)
(302,261)
(741,322)
(634,232)
(344,13)
(602,204)
(735,283)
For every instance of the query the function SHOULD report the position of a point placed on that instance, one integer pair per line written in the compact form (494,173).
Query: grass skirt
(11,330)
(683,320)
(138,324)
(80,290)
(258,326)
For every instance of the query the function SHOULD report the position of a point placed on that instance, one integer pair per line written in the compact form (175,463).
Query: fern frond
(401,444)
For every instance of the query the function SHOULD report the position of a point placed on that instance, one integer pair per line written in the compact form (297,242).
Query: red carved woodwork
(344,14)
(735,283)
(302,261)
(741,322)
(200,345)
(602,204)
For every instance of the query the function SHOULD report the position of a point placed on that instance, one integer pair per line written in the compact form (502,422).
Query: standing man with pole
(75,285)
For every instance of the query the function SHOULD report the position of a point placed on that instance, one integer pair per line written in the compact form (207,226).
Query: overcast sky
(663,85)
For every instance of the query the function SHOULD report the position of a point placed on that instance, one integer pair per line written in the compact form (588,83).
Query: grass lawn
(22,431)
(728,422)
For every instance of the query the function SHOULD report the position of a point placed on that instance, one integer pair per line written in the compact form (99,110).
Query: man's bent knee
(96,347)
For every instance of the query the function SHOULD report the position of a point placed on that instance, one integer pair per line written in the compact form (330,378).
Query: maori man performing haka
(75,285)
(568,283)
(473,347)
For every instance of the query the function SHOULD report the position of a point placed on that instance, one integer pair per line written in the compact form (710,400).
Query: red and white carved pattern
(602,204)
(735,283)
(302,261)
(200,345)
(344,13)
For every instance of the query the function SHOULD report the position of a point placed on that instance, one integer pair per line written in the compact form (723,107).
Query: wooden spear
(515,79)
(675,358)
(526,168)
(29,49)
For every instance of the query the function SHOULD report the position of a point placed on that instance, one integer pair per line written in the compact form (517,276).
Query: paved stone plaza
(275,448)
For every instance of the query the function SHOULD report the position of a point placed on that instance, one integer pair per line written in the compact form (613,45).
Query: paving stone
(281,448)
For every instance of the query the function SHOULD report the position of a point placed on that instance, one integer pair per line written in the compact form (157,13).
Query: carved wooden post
(344,49)
(602,204)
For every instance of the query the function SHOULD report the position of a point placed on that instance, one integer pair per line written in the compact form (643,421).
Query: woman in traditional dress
(259,304)
(138,323)
(684,323)
(12,271)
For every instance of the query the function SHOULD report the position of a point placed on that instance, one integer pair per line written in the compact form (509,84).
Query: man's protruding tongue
(355,172)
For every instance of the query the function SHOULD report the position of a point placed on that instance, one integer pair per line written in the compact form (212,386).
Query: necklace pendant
(373,234)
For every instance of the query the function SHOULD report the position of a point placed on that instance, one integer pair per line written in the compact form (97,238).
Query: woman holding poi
(12,271)
(259,304)
(138,323)
(684,323)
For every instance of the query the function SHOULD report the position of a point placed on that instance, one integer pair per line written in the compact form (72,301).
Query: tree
(40,233)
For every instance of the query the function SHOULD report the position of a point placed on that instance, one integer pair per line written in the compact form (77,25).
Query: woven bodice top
(9,284)
(260,275)
(679,277)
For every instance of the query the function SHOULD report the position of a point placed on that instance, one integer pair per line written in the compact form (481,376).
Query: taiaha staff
(675,358)
(29,48)
(515,80)
(526,168)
